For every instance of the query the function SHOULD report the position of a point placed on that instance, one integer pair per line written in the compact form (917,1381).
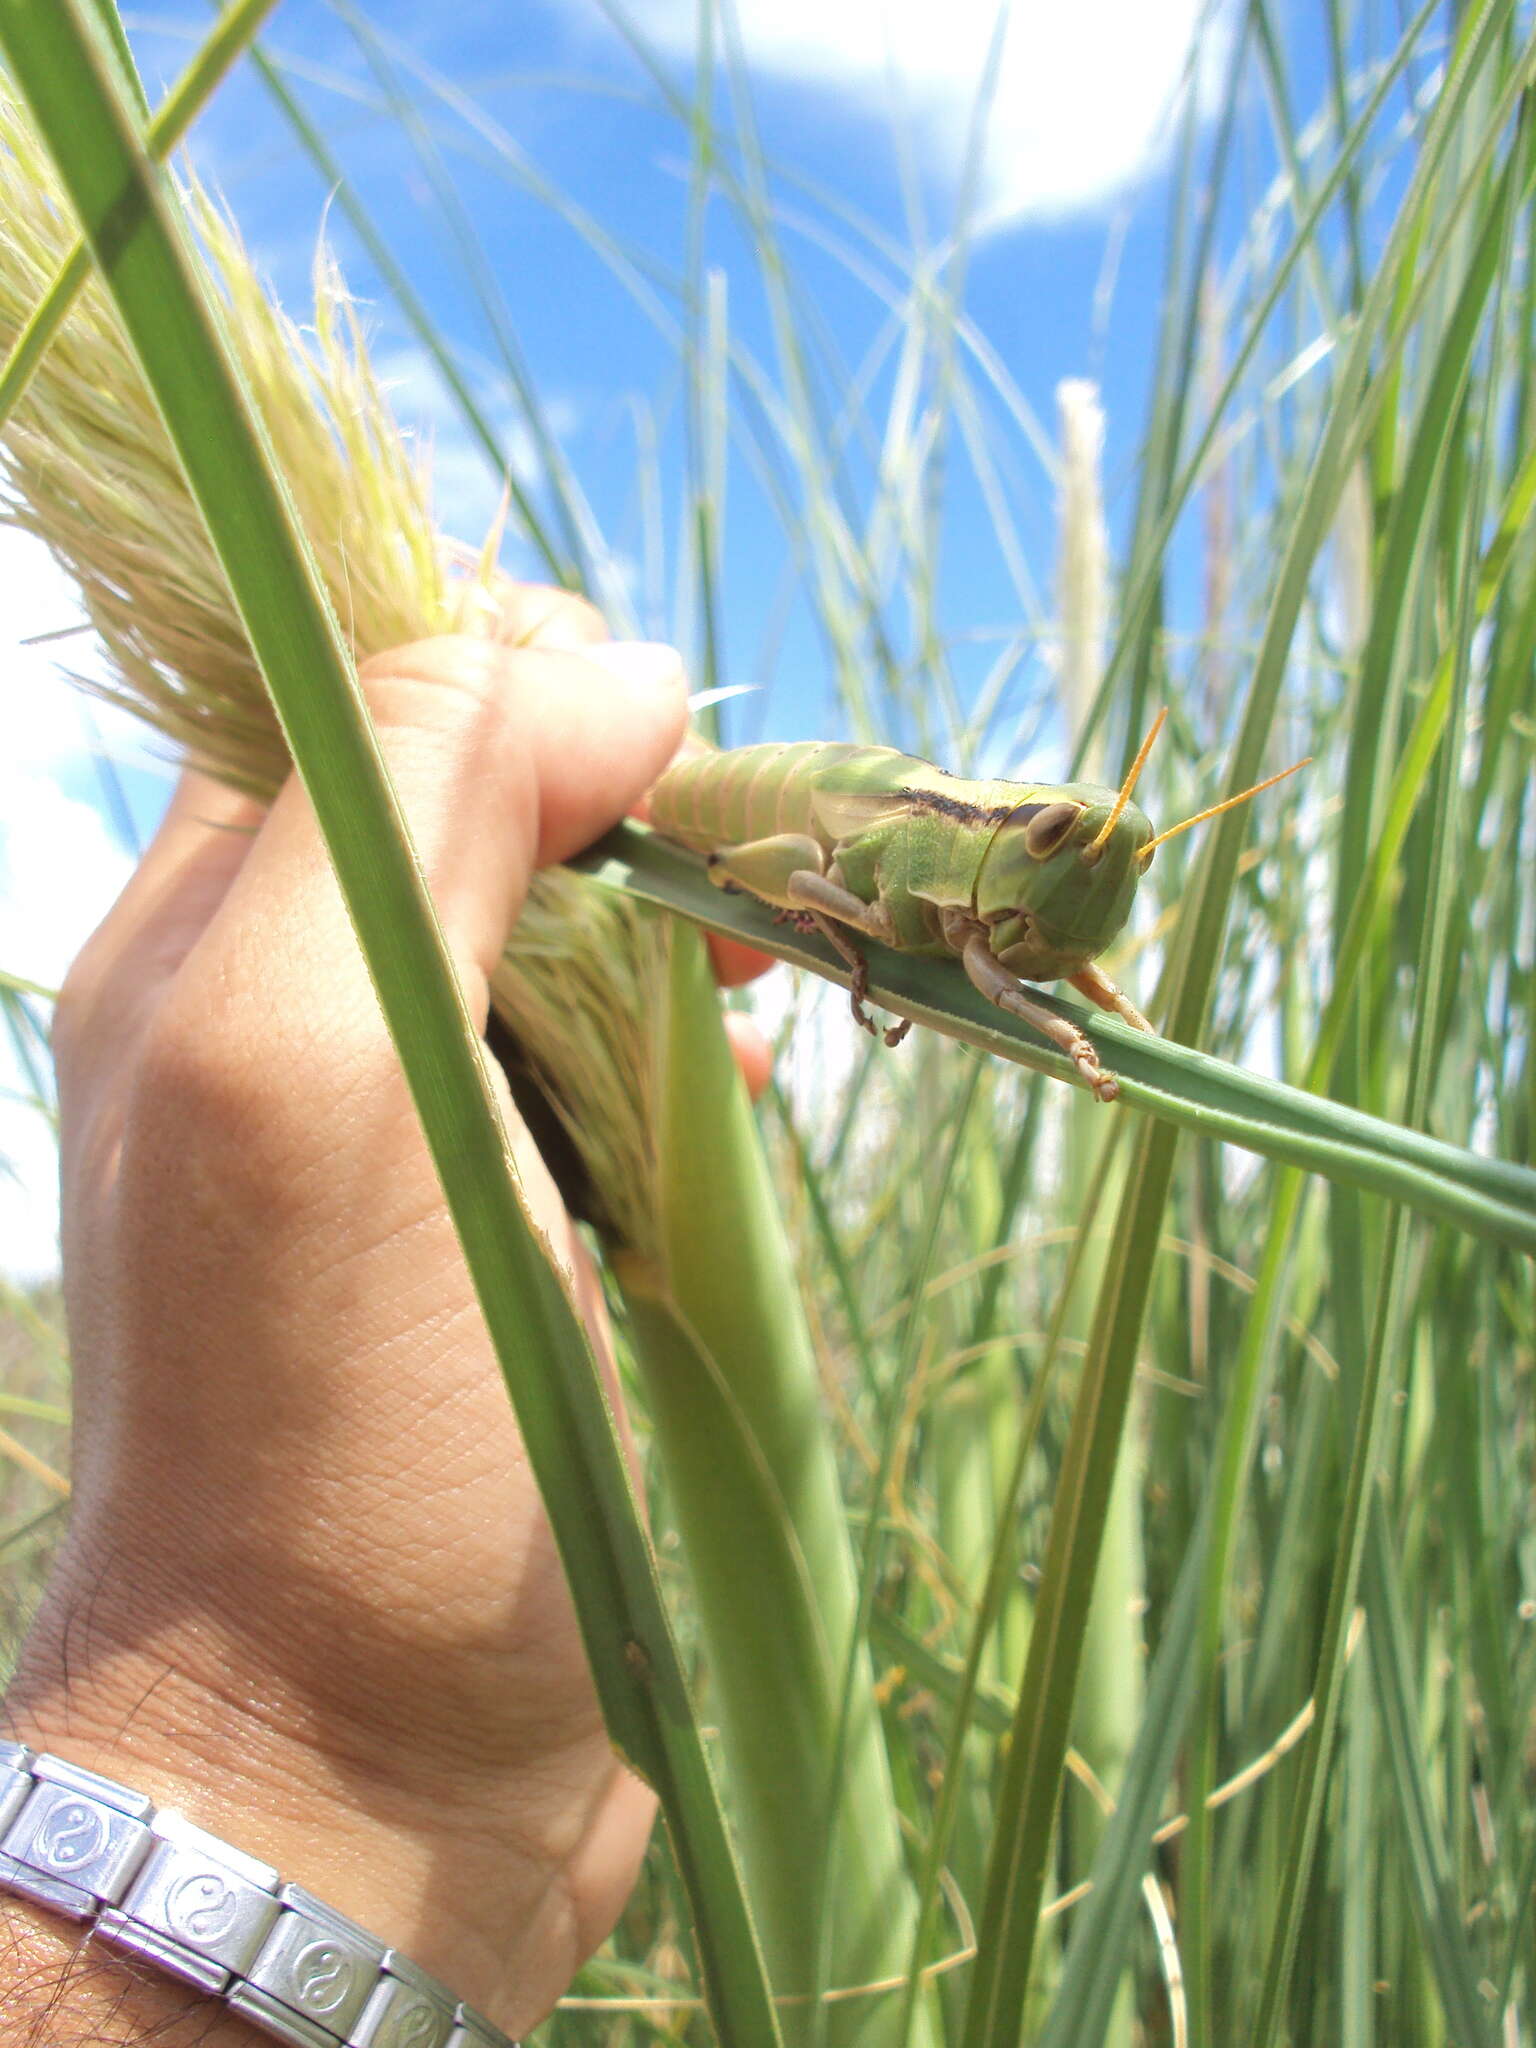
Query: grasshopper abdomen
(711,801)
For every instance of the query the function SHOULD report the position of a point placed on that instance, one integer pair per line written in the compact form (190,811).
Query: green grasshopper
(1016,878)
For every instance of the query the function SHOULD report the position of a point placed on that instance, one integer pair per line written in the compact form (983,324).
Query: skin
(309,1594)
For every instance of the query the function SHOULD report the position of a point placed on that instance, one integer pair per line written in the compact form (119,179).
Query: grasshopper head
(1058,877)
(1054,887)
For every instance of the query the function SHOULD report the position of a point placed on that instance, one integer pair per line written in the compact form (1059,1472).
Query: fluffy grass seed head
(86,466)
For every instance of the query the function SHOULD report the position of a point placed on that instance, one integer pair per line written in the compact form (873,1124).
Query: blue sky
(867,116)
(866,111)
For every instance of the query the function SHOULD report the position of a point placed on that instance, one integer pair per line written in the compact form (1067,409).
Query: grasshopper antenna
(1097,844)
(1215,811)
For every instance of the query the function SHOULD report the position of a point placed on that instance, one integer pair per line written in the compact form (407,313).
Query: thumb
(504,759)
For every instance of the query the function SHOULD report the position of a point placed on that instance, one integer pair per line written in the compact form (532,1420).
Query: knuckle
(451,680)
(451,658)
(189,1073)
(543,615)
(78,1001)
(448,705)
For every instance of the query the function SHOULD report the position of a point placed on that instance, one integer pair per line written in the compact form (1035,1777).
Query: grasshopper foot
(895,1033)
(1071,1041)
(1103,1083)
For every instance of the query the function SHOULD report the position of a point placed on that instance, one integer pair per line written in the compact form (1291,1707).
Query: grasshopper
(1015,878)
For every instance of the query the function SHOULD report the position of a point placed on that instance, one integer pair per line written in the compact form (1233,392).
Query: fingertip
(735,963)
(650,669)
(751,1051)
(607,740)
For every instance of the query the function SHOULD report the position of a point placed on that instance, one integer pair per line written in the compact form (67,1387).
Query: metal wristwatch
(151,1884)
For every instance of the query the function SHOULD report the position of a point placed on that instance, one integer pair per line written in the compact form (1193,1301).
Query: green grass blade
(731,1374)
(1428,1866)
(1351,409)
(1168,1081)
(109,25)
(29,1040)
(1031,1786)
(230,35)
(146,258)
(1379,836)
(1103,1926)
(1141,595)
(1000,1578)
(416,313)
(22,987)
(911,2020)
(827,1236)
(1032,1782)
(1379,1370)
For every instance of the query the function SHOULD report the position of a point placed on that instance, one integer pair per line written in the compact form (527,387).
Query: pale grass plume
(85,464)
(1083,570)
(1350,585)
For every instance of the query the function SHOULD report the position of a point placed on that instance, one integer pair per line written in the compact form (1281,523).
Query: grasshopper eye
(1048,828)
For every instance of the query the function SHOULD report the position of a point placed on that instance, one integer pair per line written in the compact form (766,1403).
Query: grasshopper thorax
(1054,887)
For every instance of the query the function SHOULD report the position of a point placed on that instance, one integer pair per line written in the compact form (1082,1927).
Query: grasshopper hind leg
(824,899)
(858,986)
(787,870)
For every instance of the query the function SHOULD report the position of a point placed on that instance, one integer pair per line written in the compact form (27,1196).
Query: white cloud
(29,1200)
(1083,91)
(60,871)
(46,720)
(60,865)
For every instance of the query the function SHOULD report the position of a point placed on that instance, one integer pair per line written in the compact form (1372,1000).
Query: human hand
(309,1594)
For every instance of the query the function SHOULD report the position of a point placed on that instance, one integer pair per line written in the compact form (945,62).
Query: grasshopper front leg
(789,870)
(988,974)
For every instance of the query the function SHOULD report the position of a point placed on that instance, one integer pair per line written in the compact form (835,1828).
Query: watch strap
(150,1884)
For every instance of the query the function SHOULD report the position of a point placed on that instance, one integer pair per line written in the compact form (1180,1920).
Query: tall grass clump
(610,1020)
(1138,1498)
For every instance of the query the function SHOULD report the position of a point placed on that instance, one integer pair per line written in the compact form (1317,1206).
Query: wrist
(143,1882)
(388,1836)
(58,1990)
